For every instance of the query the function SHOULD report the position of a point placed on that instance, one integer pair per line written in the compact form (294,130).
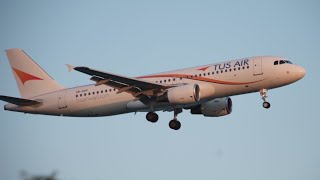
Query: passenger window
(97,92)
(282,62)
(276,63)
(77,95)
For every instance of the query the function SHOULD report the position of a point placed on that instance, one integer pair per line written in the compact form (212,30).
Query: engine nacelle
(181,95)
(215,108)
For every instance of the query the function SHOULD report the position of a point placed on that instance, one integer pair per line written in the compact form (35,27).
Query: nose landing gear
(266,105)
(263,94)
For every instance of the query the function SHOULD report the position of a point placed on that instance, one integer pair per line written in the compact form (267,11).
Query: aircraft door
(62,99)
(257,66)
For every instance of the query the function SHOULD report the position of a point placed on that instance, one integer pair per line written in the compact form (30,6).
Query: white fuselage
(215,80)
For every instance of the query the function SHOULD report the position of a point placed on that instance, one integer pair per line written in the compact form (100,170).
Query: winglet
(70,67)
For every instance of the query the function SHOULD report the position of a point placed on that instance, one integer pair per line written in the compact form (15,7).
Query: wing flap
(19,101)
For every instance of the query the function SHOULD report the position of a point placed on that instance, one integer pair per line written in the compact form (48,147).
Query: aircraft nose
(301,72)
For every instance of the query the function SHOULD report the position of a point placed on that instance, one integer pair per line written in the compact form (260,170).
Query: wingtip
(70,67)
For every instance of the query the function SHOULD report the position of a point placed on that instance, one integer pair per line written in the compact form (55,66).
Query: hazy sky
(141,37)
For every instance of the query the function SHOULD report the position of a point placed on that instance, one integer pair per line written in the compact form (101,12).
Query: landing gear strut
(174,123)
(263,93)
(152,117)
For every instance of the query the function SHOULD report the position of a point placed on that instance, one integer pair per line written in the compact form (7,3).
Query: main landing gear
(152,117)
(173,124)
(263,93)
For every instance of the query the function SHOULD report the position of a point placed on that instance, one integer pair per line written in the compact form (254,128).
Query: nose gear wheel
(263,94)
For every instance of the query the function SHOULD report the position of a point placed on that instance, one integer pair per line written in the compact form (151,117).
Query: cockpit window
(282,62)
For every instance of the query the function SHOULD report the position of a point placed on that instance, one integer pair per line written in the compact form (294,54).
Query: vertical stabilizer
(31,79)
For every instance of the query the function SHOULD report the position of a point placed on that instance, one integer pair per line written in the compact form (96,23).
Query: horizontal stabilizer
(19,101)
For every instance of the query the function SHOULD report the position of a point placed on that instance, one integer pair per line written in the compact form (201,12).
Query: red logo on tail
(24,77)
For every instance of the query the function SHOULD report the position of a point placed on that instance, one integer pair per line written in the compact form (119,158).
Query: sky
(140,37)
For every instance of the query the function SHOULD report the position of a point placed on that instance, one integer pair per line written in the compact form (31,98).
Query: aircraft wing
(19,101)
(135,86)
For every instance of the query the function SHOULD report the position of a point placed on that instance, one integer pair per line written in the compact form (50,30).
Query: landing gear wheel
(263,94)
(152,117)
(175,124)
(266,105)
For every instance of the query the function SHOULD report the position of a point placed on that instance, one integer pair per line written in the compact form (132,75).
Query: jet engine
(214,108)
(181,95)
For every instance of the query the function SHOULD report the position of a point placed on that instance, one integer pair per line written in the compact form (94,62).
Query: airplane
(204,90)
